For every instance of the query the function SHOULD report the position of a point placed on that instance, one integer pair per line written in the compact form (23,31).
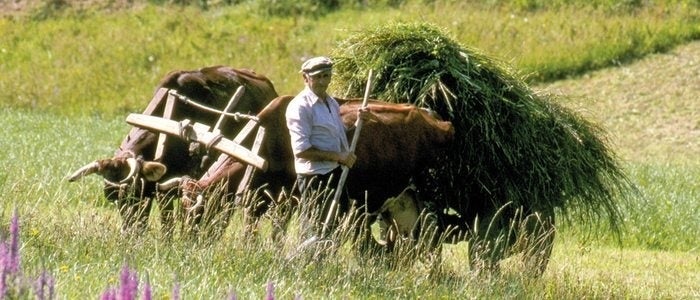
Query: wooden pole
(341,182)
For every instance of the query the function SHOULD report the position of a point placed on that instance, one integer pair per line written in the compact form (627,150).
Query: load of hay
(513,146)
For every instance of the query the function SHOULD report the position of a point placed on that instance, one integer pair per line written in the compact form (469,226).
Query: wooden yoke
(155,101)
(200,133)
(245,181)
(167,114)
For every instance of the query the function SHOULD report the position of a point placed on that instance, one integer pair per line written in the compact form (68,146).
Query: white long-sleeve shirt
(315,123)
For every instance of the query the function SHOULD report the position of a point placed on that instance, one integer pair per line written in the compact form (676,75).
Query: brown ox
(399,141)
(211,86)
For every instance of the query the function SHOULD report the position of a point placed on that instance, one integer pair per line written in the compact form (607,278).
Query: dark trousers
(317,192)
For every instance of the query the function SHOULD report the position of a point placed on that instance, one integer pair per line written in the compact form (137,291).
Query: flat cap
(316,65)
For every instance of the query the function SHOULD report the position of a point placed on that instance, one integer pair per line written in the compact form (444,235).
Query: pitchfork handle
(353,144)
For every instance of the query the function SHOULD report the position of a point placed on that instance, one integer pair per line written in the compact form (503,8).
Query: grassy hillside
(650,107)
(651,112)
(107,62)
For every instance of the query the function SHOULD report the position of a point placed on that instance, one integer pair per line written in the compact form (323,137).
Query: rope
(184,130)
(213,141)
(236,116)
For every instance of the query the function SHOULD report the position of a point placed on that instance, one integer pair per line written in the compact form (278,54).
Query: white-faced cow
(396,143)
(409,217)
(124,176)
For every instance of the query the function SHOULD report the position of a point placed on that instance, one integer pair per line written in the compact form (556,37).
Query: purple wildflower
(232,295)
(13,264)
(109,294)
(270,291)
(146,290)
(176,291)
(44,288)
(3,269)
(129,284)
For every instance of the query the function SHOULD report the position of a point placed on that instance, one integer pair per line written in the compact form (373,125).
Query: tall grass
(15,284)
(103,62)
(664,218)
(71,232)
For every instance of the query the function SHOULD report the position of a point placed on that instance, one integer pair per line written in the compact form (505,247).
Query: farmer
(319,143)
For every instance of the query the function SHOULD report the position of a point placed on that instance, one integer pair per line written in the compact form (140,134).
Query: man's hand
(364,114)
(347,159)
(344,158)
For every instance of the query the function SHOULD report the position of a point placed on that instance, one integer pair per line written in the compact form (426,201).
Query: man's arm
(344,158)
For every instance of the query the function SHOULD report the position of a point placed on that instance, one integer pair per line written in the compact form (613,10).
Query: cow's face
(400,214)
(122,173)
(124,178)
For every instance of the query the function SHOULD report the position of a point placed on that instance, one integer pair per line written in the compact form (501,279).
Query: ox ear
(152,170)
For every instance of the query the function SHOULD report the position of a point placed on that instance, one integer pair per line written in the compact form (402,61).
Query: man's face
(318,83)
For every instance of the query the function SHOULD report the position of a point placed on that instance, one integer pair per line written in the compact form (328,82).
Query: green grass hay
(512,145)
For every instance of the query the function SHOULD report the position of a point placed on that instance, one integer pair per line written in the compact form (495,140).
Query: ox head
(407,217)
(399,215)
(121,172)
(192,194)
(124,177)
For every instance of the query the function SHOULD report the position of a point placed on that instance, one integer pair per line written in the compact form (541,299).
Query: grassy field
(68,82)
(650,110)
(650,100)
(111,60)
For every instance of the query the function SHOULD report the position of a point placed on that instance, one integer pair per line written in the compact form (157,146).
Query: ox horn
(133,169)
(169,184)
(88,169)
(198,204)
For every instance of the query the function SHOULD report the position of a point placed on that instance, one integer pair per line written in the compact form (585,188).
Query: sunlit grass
(87,63)
(620,272)
(70,231)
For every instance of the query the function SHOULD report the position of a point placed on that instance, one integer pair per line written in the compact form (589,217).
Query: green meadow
(71,75)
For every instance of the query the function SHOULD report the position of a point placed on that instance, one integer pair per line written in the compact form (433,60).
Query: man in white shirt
(319,141)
